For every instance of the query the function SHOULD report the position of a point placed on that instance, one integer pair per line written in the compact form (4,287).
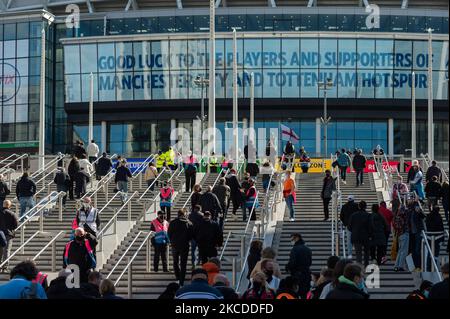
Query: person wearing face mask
(422,293)
(251,200)
(79,252)
(273,282)
(300,260)
(88,217)
(259,289)
(160,241)
(350,285)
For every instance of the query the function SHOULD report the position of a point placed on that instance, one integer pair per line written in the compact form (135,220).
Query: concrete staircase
(52,225)
(317,233)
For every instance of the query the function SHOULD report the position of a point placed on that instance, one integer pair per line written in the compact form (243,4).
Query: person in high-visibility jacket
(159,160)
(170,158)
(213,163)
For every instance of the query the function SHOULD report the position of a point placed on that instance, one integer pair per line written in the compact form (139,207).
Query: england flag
(288,134)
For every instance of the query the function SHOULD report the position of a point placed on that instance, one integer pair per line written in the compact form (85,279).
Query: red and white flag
(288,134)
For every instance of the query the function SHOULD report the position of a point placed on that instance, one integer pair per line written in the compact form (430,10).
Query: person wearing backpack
(21,285)
(4,190)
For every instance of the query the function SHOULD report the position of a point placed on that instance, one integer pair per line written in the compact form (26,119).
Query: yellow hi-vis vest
(159,160)
(170,157)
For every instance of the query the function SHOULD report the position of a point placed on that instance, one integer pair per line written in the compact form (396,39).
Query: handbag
(394,248)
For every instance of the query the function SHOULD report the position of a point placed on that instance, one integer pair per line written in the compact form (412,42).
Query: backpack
(29,292)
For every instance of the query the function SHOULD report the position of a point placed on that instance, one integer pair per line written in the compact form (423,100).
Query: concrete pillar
(173,126)
(391,137)
(104,139)
(318,144)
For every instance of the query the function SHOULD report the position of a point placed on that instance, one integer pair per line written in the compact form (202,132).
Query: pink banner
(370,166)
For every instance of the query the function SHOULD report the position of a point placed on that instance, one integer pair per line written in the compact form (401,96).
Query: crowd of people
(199,230)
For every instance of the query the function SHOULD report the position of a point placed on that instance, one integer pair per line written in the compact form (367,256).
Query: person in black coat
(348,285)
(222,284)
(432,191)
(379,227)
(78,149)
(359,164)
(58,288)
(180,233)
(170,291)
(196,218)
(208,236)
(62,181)
(210,203)
(104,165)
(360,227)
(235,191)
(77,253)
(441,289)
(81,180)
(300,260)
(196,195)
(72,170)
(91,289)
(434,223)
(8,224)
(254,256)
(433,170)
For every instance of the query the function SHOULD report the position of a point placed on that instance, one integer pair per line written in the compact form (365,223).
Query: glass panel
(383,81)
(185,24)
(237,21)
(160,85)
(253,55)
(201,23)
(178,51)
(123,58)
(416,24)
(363,130)
(73,90)
(399,23)
(86,90)
(403,55)
(327,22)
(222,23)
(366,84)
(309,22)
(270,56)
(71,59)
(255,22)
(309,79)
(88,58)
(23,30)
(166,24)
(22,113)
(9,31)
(9,49)
(345,22)
(365,51)
(379,130)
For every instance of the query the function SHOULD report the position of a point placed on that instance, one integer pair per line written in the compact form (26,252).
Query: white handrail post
(148,255)
(41,220)
(54,256)
(433,241)
(22,238)
(423,255)
(233,272)
(129,210)
(60,204)
(115,222)
(95,199)
(130,279)
(242,250)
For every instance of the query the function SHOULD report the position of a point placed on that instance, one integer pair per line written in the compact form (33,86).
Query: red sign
(370,166)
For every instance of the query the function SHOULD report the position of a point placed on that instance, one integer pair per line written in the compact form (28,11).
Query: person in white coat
(92,151)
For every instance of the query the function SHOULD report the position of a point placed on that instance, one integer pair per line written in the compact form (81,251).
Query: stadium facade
(145,55)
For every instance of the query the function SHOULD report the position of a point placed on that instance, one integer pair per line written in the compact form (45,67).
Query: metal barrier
(428,250)
(129,267)
(113,221)
(102,184)
(48,165)
(51,243)
(8,165)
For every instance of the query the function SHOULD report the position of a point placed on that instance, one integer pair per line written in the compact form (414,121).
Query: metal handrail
(48,244)
(45,187)
(150,234)
(102,182)
(21,247)
(110,222)
(244,263)
(251,213)
(8,158)
(109,202)
(49,164)
(225,244)
(123,255)
(152,184)
(141,167)
(430,252)
(21,157)
(43,202)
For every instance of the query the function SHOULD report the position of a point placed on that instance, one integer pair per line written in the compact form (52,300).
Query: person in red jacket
(388,216)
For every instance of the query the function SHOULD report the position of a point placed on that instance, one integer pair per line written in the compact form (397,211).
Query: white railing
(48,165)
(113,221)
(337,229)
(7,166)
(428,251)
(152,184)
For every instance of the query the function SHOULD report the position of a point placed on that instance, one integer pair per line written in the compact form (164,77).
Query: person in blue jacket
(21,285)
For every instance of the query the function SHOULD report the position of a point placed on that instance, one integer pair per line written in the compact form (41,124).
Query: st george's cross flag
(288,134)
